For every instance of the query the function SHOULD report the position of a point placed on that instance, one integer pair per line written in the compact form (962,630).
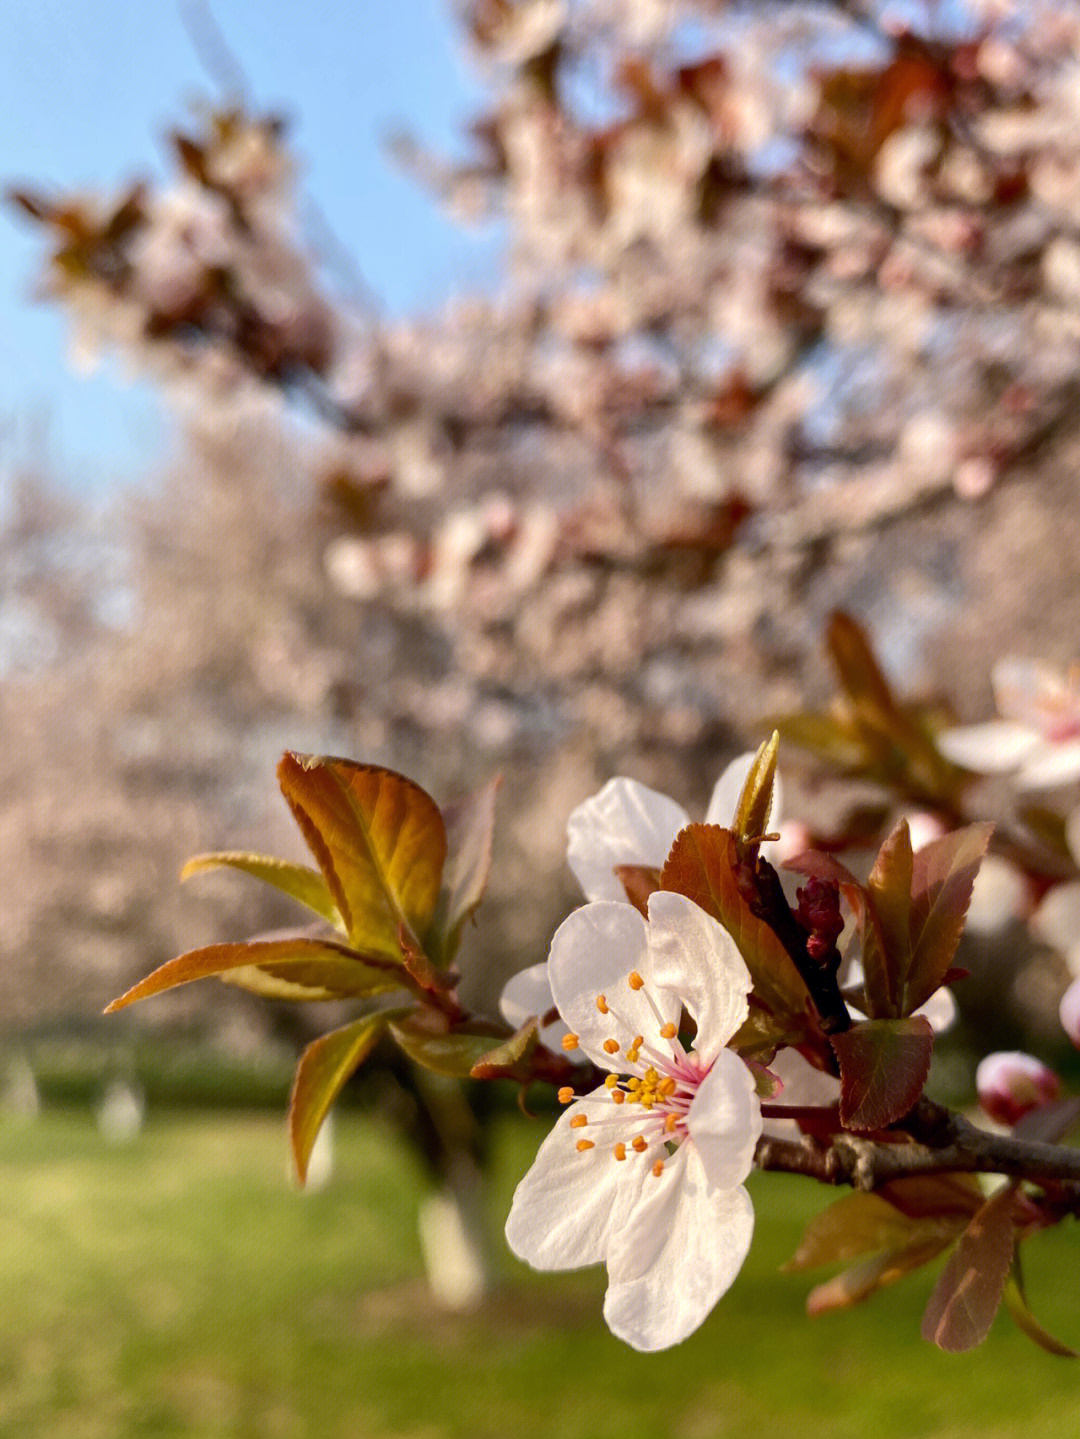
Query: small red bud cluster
(819,913)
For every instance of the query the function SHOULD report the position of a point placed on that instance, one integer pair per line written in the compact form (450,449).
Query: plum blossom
(1011,1084)
(628,823)
(528,993)
(645,1173)
(1037,737)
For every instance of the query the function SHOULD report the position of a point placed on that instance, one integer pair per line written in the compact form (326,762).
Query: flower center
(649,1095)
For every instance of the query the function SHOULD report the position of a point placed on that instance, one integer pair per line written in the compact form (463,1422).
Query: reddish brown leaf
(943,876)
(883,1067)
(313,963)
(701,866)
(858,1283)
(509,1060)
(639,881)
(969,1292)
(958,1196)
(379,840)
(861,1224)
(888,888)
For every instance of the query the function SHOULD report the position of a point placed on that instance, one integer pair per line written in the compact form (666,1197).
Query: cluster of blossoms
(646,1172)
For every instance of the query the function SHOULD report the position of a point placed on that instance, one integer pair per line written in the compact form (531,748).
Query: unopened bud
(819,912)
(1011,1084)
(1070,1012)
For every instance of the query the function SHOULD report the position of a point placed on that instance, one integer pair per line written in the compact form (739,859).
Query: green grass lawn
(180,1286)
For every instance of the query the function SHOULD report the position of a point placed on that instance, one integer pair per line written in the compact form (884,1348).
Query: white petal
(940,1010)
(593,952)
(679,1253)
(625,823)
(803,1084)
(569,1203)
(694,957)
(991,748)
(1050,764)
(528,993)
(724,1121)
(728,790)
(1057,920)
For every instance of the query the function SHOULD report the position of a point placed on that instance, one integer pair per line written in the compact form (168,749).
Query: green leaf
(943,876)
(755,802)
(441,1050)
(858,1283)
(470,827)
(862,1224)
(968,1294)
(884,1065)
(296,880)
(702,866)
(312,963)
(510,1059)
(321,1074)
(1016,1303)
(379,841)
(887,960)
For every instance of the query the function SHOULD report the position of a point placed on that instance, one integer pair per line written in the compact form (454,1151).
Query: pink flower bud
(1070,1012)
(1012,1084)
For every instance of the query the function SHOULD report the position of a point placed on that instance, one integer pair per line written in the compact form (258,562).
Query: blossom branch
(943,1143)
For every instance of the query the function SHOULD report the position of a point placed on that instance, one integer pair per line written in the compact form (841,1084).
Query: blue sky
(88,87)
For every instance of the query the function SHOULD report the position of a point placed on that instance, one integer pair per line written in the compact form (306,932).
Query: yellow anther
(611,1081)
(584,1144)
(633,1084)
(670,1123)
(618,1097)
(566,1094)
(667,1086)
(579,1121)
(619,1151)
(669,1030)
(635,980)
(631,1053)
(601,1004)
(639,1040)
(640,1143)
(570,1041)
(658,1168)
(652,1076)
(611,1046)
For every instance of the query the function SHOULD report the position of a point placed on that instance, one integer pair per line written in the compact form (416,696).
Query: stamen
(601,1004)
(619,1151)
(635,981)
(566,1094)
(584,1144)
(671,1123)
(611,1046)
(570,1041)
(658,1168)
(640,1143)
(617,1096)
(666,1086)
(632,1054)
(610,1081)
(669,1031)
(579,1121)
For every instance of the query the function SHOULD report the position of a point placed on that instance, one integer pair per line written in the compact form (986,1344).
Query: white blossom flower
(629,823)
(1038,734)
(528,993)
(646,1172)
